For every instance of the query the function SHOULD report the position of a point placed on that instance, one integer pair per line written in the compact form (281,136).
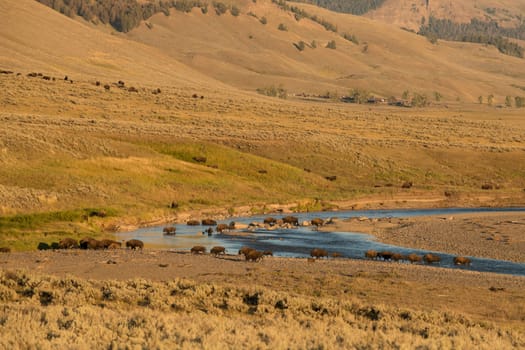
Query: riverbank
(494,235)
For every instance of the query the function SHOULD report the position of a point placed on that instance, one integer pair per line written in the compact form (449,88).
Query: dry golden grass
(279,303)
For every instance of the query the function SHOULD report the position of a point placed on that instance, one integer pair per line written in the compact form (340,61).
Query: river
(298,242)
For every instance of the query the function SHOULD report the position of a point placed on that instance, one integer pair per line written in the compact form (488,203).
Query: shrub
(273,91)
(235,11)
(282,27)
(220,8)
(300,45)
(263,20)
(331,45)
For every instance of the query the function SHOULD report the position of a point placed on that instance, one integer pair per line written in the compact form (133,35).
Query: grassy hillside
(386,61)
(69,146)
(405,13)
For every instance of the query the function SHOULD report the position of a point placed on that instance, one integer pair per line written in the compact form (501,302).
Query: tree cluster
(123,15)
(355,7)
(476,31)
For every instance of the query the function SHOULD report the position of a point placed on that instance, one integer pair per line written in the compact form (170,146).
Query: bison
(317,222)
(245,250)
(371,254)
(397,257)
(169,231)
(318,253)
(254,255)
(107,243)
(198,249)
(5,250)
(193,223)
(218,250)
(269,221)
(292,220)
(208,222)
(268,253)
(134,244)
(222,227)
(431,258)
(414,258)
(461,260)
(67,243)
(386,255)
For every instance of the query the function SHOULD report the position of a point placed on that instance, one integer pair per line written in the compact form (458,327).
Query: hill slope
(36,38)
(241,51)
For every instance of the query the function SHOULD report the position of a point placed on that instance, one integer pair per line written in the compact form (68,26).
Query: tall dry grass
(45,312)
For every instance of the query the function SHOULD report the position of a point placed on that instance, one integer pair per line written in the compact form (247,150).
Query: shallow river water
(298,242)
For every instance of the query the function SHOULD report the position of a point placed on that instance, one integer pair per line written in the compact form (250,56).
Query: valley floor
(162,298)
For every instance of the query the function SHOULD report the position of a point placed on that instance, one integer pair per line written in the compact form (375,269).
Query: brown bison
(386,255)
(208,222)
(254,255)
(397,257)
(336,255)
(193,223)
(318,253)
(134,244)
(218,250)
(107,243)
(5,250)
(431,258)
(317,222)
(292,220)
(67,243)
(414,258)
(371,254)
(198,249)
(268,253)
(169,231)
(245,250)
(269,221)
(461,260)
(222,227)
(90,243)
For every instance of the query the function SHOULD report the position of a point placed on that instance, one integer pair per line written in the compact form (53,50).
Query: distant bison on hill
(134,244)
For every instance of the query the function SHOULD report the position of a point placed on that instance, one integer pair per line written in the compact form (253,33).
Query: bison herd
(91,244)
(412,258)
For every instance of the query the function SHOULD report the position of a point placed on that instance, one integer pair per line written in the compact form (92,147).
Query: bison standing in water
(414,258)
(431,258)
(292,220)
(318,253)
(371,254)
(317,222)
(134,244)
(461,260)
(170,231)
